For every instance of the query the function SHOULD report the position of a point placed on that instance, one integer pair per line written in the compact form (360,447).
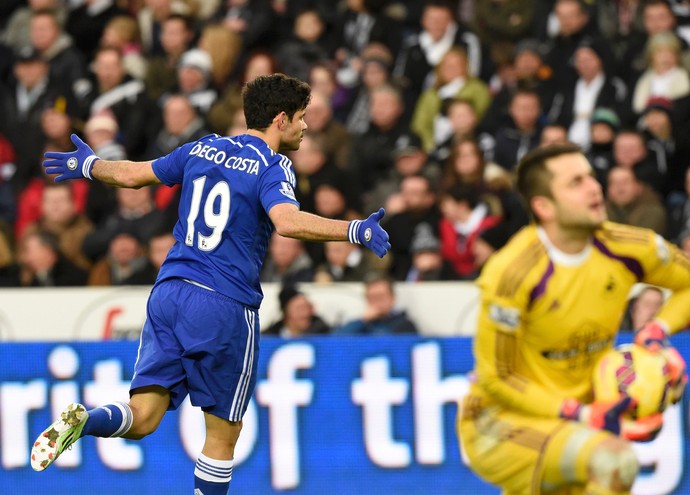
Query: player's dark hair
(533,178)
(267,96)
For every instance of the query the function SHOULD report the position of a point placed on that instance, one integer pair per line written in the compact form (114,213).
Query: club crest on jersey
(286,190)
(72,163)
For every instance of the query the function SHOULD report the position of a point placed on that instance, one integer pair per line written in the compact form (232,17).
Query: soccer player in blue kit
(201,335)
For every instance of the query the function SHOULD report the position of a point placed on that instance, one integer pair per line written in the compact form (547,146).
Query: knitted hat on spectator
(606,116)
(596,46)
(197,58)
(424,240)
(102,122)
(529,45)
(407,144)
(27,54)
(659,103)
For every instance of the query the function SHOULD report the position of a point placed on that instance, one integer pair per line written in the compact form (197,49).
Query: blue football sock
(211,476)
(111,420)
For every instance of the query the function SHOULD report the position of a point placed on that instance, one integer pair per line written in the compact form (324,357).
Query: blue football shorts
(199,342)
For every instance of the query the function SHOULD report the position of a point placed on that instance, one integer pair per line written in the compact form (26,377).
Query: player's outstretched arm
(289,221)
(83,163)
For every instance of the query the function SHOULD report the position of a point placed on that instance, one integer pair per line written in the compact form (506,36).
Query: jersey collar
(558,256)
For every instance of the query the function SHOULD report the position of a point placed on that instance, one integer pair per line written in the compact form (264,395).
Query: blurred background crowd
(423,107)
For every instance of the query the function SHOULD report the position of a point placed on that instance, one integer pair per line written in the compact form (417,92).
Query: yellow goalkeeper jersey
(547,316)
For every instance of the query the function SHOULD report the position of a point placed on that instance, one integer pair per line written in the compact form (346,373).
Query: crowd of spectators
(421,106)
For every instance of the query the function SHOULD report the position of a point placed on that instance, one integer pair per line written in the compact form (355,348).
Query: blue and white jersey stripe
(239,402)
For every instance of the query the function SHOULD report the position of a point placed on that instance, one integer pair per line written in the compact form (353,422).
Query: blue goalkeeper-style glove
(75,164)
(370,234)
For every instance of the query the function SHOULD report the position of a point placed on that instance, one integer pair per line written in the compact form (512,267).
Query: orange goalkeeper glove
(654,337)
(678,373)
(642,430)
(599,415)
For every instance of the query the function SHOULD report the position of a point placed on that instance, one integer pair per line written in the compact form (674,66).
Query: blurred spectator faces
(178,114)
(622,186)
(29,67)
(385,107)
(101,128)
(416,194)
(658,17)
(572,16)
(329,201)
(319,112)
(629,148)
(44,30)
(663,50)
(259,64)
(322,80)
(604,125)
(524,109)
(194,69)
(56,124)
(309,158)
(125,248)
(57,204)
(436,19)
(159,246)
(38,252)
(308,26)
(462,117)
(134,200)
(337,252)
(175,35)
(107,66)
(554,134)
(409,156)
(284,250)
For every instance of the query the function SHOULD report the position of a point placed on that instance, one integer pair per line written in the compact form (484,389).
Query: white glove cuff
(88,165)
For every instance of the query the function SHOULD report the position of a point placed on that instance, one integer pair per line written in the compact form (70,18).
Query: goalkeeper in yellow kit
(552,301)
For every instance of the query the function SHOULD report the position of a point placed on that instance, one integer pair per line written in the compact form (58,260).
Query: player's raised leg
(133,420)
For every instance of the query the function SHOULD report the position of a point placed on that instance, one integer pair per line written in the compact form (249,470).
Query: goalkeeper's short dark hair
(533,178)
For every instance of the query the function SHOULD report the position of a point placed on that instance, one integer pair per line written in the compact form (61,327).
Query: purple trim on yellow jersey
(540,288)
(630,263)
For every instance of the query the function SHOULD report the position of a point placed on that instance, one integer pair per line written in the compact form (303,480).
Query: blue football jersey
(228,186)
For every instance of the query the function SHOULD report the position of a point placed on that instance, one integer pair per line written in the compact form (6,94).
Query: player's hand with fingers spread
(600,415)
(654,337)
(370,234)
(75,164)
